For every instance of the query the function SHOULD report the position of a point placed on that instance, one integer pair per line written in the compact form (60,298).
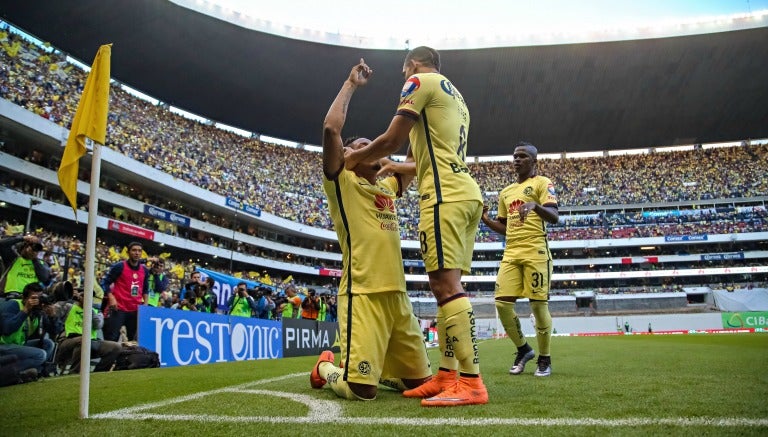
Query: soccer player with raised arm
(525,207)
(433,116)
(380,338)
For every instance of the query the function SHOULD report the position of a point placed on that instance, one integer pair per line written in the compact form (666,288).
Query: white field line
(322,411)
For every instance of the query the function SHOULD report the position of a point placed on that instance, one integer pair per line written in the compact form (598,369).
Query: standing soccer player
(433,116)
(380,338)
(526,268)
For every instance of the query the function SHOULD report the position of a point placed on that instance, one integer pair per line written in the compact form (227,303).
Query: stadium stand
(657,211)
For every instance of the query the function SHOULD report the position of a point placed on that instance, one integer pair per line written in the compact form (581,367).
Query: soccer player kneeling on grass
(381,342)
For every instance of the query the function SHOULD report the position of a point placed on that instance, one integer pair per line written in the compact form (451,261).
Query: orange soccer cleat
(466,391)
(437,384)
(315,380)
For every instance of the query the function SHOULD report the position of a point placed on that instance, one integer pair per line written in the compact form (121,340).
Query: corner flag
(90,123)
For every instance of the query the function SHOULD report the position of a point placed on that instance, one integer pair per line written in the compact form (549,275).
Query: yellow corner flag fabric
(90,122)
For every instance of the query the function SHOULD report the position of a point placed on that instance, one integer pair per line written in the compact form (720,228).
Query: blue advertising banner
(702,237)
(242,206)
(722,256)
(413,263)
(188,337)
(224,284)
(168,216)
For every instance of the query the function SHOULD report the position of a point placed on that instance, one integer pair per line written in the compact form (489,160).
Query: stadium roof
(570,97)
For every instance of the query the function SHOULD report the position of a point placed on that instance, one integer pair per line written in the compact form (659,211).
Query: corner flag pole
(89,128)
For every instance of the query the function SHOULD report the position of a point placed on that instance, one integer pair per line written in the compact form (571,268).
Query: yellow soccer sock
(335,379)
(510,322)
(461,334)
(540,309)
(447,358)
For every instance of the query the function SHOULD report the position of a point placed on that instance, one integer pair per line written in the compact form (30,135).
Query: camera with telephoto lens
(58,292)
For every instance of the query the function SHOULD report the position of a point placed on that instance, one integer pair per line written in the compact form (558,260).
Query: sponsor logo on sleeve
(551,189)
(411,85)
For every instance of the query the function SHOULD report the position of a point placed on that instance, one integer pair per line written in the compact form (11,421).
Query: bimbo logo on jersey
(411,85)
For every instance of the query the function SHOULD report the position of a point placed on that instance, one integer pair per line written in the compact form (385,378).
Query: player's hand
(388,167)
(350,159)
(486,208)
(525,209)
(32,303)
(360,73)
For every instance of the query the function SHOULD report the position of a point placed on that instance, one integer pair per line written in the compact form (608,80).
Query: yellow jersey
(526,240)
(367,226)
(438,139)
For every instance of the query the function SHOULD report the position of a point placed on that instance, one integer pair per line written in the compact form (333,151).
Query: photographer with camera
(69,348)
(322,313)
(21,264)
(189,303)
(126,286)
(195,281)
(241,303)
(158,282)
(265,305)
(206,300)
(289,309)
(310,306)
(21,321)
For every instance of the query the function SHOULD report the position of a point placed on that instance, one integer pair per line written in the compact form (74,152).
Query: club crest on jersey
(528,191)
(364,368)
(411,85)
(384,203)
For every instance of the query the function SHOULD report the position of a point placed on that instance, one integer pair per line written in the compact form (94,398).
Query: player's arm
(498,225)
(546,208)
(548,213)
(404,171)
(333,150)
(385,144)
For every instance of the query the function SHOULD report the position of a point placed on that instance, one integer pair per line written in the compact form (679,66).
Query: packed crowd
(287,182)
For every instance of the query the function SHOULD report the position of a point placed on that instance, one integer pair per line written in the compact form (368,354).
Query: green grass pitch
(626,385)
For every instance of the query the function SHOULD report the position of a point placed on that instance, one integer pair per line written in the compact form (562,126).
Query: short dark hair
(425,55)
(32,287)
(242,283)
(134,243)
(350,140)
(530,147)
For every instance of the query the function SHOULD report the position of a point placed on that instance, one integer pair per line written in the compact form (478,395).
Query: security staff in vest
(126,286)
(69,349)
(20,321)
(21,264)
(241,303)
